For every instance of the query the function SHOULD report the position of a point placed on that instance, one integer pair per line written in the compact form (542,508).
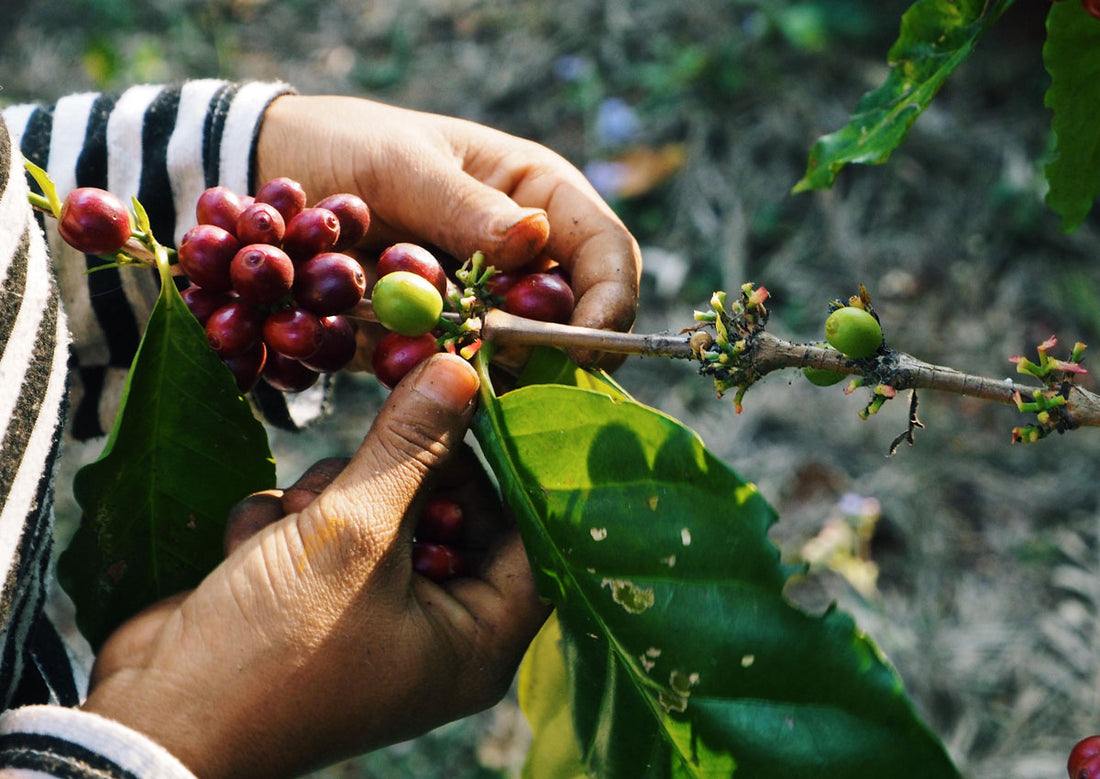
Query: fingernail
(525,237)
(449,381)
(528,215)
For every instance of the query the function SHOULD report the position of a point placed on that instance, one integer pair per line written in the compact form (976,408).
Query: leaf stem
(40,203)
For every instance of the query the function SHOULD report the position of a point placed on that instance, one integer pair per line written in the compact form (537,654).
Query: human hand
(314,640)
(460,186)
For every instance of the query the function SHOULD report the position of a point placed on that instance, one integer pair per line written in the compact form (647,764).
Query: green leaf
(1072,57)
(185,447)
(547,365)
(936,37)
(45,183)
(684,658)
(543,696)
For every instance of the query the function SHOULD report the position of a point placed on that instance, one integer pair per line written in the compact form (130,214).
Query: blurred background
(972,562)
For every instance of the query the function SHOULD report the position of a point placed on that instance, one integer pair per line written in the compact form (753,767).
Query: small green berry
(853,331)
(823,377)
(406,303)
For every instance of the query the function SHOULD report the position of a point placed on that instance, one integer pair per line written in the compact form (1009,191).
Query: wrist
(164,716)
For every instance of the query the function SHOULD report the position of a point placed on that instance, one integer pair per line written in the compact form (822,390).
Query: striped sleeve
(33,356)
(162,144)
(51,741)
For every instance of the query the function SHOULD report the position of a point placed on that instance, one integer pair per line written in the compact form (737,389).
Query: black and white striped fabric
(163,145)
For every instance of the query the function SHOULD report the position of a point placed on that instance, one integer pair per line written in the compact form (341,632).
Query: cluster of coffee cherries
(439,529)
(270,281)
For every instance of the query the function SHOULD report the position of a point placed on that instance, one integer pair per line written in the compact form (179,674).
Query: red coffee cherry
(234,328)
(219,206)
(285,194)
(1084,759)
(94,221)
(337,345)
(438,562)
(353,214)
(261,273)
(203,302)
(260,223)
(440,521)
(294,332)
(329,283)
(414,259)
(204,253)
(311,231)
(542,296)
(286,374)
(398,354)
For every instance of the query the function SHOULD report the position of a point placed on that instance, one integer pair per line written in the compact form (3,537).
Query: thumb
(358,517)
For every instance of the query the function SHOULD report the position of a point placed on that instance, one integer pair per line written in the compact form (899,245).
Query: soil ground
(987,554)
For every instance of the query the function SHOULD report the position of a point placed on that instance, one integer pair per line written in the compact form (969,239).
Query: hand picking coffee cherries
(270,284)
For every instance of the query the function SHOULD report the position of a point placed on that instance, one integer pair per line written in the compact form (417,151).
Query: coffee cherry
(293,332)
(398,354)
(499,283)
(1084,759)
(337,345)
(823,377)
(260,223)
(437,562)
(203,302)
(406,303)
(261,273)
(440,521)
(246,367)
(540,296)
(219,206)
(205,253)
(234,328)
(94,221)
(353,214)
(415,259)
(329,283)
(1092,8)
(853,331)
(285,194)
(310,232)
(286,374)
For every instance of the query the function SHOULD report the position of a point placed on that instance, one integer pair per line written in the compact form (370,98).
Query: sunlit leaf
(543,689)
(684,658)
(1072,57)
(936,37)
(45,183)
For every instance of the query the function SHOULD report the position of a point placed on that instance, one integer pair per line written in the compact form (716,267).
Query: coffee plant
(673,651)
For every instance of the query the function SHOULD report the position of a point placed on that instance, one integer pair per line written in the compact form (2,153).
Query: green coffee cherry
(853,331)
(406,303)
(823,377)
